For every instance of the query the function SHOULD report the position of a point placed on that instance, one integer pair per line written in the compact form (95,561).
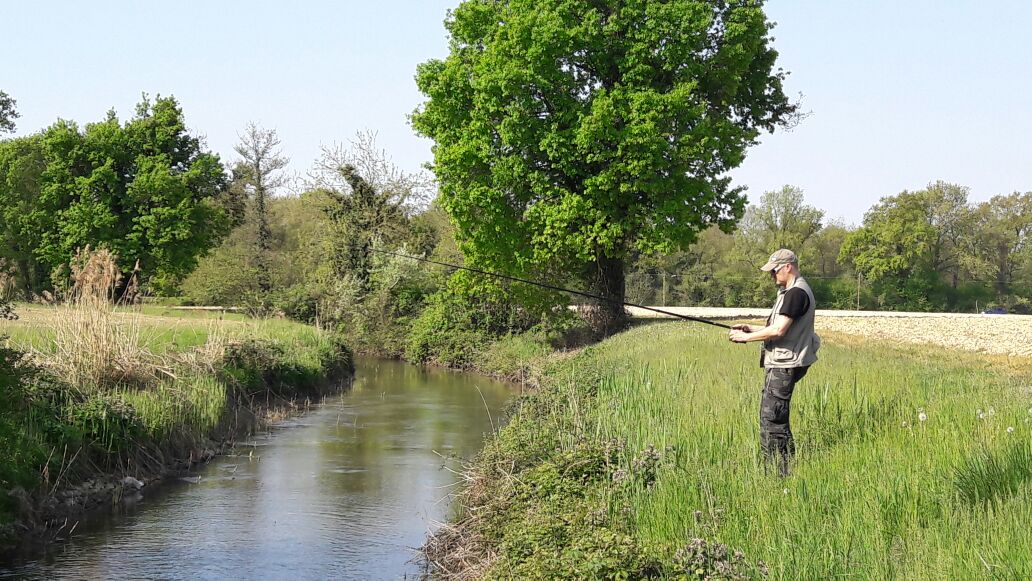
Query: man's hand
(739,334)
(744,327)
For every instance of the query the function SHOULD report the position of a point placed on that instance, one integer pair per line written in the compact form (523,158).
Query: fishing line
(555,288)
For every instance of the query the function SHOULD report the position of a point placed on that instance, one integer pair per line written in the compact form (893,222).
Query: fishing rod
(555,288)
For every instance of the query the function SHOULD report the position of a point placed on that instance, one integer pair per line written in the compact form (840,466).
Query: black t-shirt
(795,304)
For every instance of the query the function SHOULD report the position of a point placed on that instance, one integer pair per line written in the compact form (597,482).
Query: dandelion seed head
(905,424)
(1010,429)
(992,412)
(922,416)
(785,491)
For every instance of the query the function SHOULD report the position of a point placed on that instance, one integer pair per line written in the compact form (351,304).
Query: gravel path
(996,334)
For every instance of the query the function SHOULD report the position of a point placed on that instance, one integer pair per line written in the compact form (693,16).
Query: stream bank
(70,450)
(348,489)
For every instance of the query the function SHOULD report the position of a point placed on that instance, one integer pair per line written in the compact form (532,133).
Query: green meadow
(912,463)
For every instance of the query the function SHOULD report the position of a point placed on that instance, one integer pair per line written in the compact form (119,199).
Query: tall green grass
(912,462)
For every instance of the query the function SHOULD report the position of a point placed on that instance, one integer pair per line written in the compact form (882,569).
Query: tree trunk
(606,276)
(263,243)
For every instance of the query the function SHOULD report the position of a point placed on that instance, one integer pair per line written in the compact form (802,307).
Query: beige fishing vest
(798,347)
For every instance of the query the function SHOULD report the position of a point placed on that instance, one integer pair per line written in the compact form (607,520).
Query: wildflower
(906,424)
(785,491)
(992,412)
(981,414)
(1010,429)
(922,416)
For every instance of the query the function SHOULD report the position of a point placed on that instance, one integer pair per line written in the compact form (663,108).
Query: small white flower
(905,424)
(992,412)
(922,417)
(1010,429)
(981,415)
(785,491)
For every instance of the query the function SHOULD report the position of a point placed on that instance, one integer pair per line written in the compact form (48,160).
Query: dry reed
(93,347)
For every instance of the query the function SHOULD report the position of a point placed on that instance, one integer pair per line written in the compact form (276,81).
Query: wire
(555,288)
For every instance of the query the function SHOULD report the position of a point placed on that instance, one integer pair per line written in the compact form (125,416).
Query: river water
(346,491)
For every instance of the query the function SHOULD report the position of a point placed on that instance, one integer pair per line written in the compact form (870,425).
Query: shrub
(472,310)
(438,337)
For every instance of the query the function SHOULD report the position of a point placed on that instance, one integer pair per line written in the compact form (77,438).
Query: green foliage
(19,454)
(515,357)
(782,220)
(8,113)
(362,217)
(144,189)
(296,260)
(439,335)
(912,243)
(555,500)
(568,133)
(472,309)
(919,251)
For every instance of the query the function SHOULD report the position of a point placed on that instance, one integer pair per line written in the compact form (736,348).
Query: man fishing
(789,348)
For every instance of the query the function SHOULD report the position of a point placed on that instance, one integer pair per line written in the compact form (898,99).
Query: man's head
(783,266)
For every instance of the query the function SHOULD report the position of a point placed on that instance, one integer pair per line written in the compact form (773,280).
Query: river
(346,491)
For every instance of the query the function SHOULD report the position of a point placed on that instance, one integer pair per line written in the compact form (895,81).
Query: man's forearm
(763,334)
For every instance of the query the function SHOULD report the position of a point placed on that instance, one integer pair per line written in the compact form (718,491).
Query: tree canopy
(571,132)
(145,190)
(7,113)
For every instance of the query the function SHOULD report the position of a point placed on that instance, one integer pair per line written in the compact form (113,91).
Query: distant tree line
(925,250)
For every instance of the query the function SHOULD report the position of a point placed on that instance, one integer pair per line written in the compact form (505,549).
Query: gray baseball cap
(779,258)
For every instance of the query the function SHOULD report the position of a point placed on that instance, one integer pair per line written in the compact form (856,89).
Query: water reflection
(346,491)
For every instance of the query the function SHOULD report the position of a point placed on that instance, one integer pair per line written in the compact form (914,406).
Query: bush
(472,310)
(297,302)
(438,337)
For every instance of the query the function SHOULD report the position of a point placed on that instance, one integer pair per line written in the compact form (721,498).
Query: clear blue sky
(901,93)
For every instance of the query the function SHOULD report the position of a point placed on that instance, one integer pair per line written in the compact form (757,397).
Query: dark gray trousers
(776,441)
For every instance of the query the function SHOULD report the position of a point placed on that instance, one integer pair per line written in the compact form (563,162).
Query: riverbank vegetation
(90,391)
(912,463)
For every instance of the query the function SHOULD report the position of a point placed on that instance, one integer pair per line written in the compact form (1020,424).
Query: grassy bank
(90,393)
(913,463)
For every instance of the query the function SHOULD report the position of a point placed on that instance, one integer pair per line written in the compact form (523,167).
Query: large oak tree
(569,133)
